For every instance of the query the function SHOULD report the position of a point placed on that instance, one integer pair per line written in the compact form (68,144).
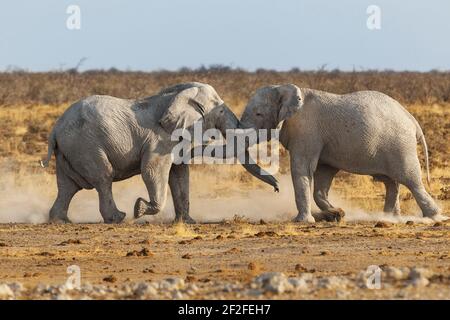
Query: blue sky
(169,34)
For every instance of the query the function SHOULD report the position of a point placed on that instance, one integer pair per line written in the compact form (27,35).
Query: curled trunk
(246,161)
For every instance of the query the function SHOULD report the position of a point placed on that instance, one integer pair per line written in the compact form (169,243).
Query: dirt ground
(217,256)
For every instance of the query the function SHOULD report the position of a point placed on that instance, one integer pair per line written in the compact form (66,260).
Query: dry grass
(235,86)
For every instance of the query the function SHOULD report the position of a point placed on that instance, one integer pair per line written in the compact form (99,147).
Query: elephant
(365,132)
(102,139)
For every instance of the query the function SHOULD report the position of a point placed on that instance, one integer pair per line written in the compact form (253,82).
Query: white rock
(275,282)
(145,289)
(393,273)
(334,283)
(229,287)
(66,287)
(420,273)
(177,295)
(5,291)
(87,287)
(307,277)
(42,288)
(418,277)
(99,291)
(172,284)
(127,290)
(62,296)
(298,284)
(16,287)
(192,287)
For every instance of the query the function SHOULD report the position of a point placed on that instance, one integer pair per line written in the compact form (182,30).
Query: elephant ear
(185,109)
(290,101)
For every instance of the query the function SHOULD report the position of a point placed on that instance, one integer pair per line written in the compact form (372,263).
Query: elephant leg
(67,188)
(302,179)
(392,201)
(99,172)
(322,182)
(179,187)
(411,178)
(155,173)
(424,200)
(323,177)
(108,208)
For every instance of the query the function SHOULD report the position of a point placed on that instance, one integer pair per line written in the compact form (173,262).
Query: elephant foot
(306,218)
(116,217)
(440,218)
(396,213)
(59,220)
(433,213)
(330,215)
(142,207)
(184,219)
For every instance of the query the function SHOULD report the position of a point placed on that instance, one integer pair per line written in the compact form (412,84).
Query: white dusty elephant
(363,132)
(102,139)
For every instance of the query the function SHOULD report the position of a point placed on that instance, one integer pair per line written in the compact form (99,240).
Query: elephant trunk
(260,173)
(229,121)
(232,122)
(246,161)
(255,170)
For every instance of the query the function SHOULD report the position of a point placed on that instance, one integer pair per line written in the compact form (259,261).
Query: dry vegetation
(234,85)
(215,256)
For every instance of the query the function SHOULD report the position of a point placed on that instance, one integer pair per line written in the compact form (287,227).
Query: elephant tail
(51,148)
(425,150)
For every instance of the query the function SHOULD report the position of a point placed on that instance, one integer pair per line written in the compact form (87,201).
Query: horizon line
(217,68)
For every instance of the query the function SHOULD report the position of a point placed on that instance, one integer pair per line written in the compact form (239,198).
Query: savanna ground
(220,257)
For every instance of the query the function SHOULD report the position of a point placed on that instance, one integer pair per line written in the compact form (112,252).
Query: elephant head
(190,103)
(271,105)
(196,101)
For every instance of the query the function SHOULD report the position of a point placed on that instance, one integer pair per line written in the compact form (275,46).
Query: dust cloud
(27,198)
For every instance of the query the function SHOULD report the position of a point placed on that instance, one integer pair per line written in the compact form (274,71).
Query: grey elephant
(364,132)
(102,139)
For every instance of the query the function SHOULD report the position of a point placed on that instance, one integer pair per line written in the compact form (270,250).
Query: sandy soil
(217,257)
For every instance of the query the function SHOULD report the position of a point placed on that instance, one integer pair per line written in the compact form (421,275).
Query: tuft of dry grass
(182,230)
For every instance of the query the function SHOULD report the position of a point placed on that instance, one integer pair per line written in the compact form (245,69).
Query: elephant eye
(259,114)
